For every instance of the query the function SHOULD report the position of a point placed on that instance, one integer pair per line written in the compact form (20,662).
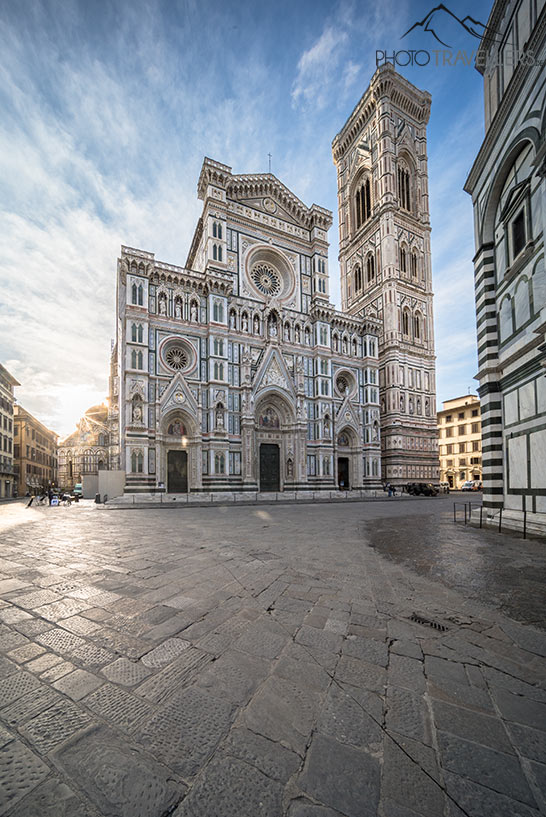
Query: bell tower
(384,254)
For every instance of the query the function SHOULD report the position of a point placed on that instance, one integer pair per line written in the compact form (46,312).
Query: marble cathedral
(235,372)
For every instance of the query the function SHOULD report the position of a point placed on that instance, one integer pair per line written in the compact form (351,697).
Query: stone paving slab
(268,662)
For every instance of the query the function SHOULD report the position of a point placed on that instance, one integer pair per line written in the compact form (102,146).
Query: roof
(9,377)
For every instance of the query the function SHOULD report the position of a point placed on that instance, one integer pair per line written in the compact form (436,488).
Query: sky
(107,110)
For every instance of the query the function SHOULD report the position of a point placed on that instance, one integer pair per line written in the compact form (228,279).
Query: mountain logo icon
(440,21)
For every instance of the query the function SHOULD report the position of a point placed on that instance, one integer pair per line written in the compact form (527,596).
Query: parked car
(421,489)
(468,485)
(78,489)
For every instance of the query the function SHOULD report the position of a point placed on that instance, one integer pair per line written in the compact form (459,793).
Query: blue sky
(106,112)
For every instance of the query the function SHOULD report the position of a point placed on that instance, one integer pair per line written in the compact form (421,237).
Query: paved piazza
(360,659)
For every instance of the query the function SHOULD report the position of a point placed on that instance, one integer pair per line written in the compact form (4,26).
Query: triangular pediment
(266,193)
(178,395)
(273,372)
(347,416)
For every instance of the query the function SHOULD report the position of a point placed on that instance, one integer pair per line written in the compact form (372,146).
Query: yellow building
(35,453)
(460,441)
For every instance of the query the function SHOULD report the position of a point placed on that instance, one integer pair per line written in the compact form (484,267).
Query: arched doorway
(275,441)
(180,453)
(346,471)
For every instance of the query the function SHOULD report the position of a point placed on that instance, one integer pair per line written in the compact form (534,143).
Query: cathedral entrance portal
(177,472)
(269,467)
(343,473)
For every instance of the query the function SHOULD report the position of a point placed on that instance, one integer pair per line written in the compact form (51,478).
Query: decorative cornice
(385,82)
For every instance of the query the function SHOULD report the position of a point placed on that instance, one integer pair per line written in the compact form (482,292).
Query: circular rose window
(345,383)
(176,357)
(266,278)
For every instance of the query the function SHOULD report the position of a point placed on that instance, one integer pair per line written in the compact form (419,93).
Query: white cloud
(317,68)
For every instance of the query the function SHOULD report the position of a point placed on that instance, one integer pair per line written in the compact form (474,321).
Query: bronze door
(177,472)
(269,467)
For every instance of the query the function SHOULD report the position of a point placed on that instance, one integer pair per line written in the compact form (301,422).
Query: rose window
(176,357)
(342,384)
(266,279)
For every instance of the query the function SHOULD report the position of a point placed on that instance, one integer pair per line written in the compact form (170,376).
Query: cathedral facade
(384,254)
(235,372)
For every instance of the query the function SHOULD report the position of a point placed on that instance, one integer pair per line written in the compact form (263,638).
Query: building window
(137,462)
(403,262)
(218,312)
(461,430)
(370,268)
(219,463)
(404,188)
(518,234)
(414,265)
(475,445)
(358,278)
(475,428)
(405,322)
(363,204)
(462,448)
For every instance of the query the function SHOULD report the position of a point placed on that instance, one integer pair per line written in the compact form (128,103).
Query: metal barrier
(467,506)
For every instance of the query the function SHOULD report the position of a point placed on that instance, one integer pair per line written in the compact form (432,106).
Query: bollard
(525,524)
(481,512)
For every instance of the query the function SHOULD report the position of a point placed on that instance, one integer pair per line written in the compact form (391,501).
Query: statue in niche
(245,323)
(220,416)
(327,426)
(256,325)
(177,309)
(193,312)
(273,326)
(345,348)
(162,306)
(375,433)
(286,331)
(336,343)
(298,335)
(290,468)
(410,405)
(137,412)
(402,403)
(232,320)
(307,336)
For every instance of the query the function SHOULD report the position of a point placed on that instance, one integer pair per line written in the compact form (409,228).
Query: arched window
(219,231)
(140,333)
(358,278)
(416,327)
(414,264)
(134,294)
(219,464)
(506,327)
(405,322)
(137,462)
(101,466)
(355,347)
(140,295)
(404,187)
(539,286)
(219,252)
(214,252)
(522,307)
(214,229)
(370,268)
(403,260)
(133,359)
(139,360)
(134,332)
(363,203)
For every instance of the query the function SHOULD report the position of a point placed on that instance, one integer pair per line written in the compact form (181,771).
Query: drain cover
(428,622)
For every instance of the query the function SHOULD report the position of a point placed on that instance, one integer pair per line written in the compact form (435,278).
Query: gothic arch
(361,198)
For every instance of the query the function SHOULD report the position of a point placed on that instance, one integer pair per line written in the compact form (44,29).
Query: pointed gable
(178,395)
(273,372)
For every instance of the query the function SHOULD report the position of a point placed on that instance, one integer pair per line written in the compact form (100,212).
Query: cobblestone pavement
(307,661)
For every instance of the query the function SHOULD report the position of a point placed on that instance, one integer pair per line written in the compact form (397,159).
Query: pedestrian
(394,490)
(49,494)
(389,489)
